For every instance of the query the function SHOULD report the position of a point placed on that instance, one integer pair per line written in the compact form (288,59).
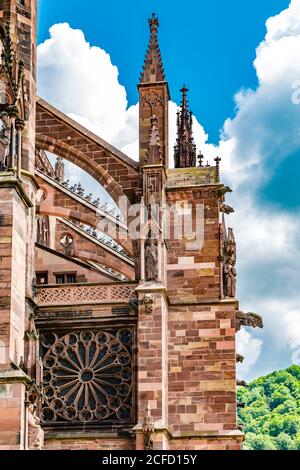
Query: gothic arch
(61,135)
(78,158)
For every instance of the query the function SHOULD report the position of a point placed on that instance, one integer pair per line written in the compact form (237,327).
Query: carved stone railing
(85,294)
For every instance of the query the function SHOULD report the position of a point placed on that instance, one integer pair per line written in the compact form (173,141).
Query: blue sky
(210,45)
(241,62)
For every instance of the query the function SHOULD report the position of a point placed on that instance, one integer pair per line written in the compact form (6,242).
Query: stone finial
(218,161)
(200,159)
(153,23)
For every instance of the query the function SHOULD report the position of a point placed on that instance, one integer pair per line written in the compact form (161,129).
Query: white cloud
(81,81)
(266,126)
(250,348)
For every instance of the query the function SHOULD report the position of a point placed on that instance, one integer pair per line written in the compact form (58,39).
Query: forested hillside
(271,415)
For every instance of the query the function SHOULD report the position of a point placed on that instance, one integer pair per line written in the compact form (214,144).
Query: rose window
(88,377)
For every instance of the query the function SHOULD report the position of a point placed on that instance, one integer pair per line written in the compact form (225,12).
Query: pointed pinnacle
(153,23)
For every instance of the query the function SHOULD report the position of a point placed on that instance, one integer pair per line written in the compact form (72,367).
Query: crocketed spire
(185,148)
(153,70)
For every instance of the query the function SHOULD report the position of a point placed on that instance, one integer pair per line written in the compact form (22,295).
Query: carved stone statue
(248,319)
(42,230)
(4,139)
(35,431)
(151,260)
(59,170)
(148,431)
(67,243)
(229,275)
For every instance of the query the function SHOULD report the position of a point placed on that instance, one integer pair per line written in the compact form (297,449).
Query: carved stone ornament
(248,319)
(151,260)
(229,265)
(148,431)
(35,431)
(59,170)
(148,302)
(230,275)
(4,139)
(42,230)
(241,383)
(239,358)
(67,243)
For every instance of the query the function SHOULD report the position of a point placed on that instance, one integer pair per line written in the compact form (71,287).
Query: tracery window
(88,377)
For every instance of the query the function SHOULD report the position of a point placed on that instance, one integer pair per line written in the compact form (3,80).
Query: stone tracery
(88,376)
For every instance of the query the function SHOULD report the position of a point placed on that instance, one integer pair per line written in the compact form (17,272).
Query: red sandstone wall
(202,364)
(194,274)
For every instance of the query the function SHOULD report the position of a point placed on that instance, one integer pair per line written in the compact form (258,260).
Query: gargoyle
(248,319)
(224,190)
(239,358)
(226,209)
(241,383)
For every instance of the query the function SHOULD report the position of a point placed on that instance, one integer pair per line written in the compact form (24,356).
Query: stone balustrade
(84,294)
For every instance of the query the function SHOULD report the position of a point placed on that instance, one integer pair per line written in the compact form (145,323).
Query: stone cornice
(153,288)
(207,302)
(9,180)
(14,376)
(208,435)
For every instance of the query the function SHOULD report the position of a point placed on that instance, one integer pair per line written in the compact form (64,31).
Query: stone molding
(9,180)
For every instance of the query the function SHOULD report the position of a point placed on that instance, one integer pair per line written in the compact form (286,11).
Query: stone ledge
(14,376)
(206,302)
(86,435)
(151,287)
(9,180)
(208,434)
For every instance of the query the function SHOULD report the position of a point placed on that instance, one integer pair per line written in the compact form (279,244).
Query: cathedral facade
(117,326)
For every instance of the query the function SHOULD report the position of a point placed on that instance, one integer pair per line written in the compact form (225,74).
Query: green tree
(288,407)
(259,442)
(274,426)
(279,396)
(284,442)
(291,425)
(294,371)
(271,416)
(297,442)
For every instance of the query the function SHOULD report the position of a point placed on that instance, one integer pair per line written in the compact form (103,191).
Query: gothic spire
(153,70)
(185,148)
